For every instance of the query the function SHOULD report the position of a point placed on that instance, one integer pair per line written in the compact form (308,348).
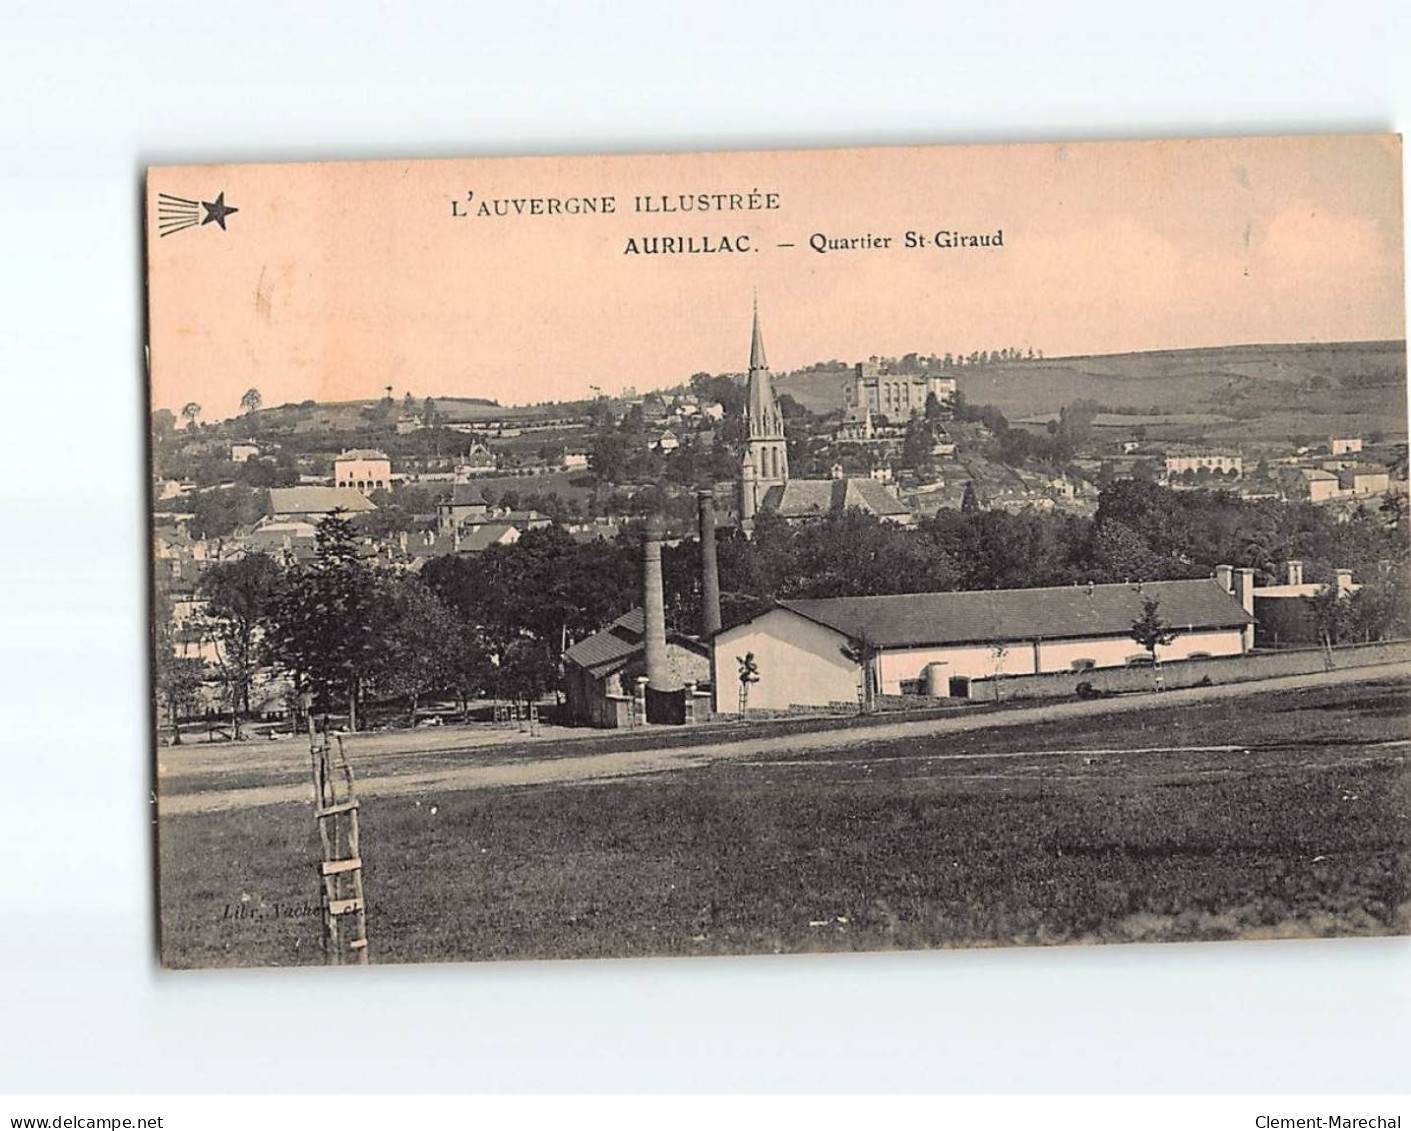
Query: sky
(333,281)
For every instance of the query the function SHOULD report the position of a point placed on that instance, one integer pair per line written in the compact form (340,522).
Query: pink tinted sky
(336,280)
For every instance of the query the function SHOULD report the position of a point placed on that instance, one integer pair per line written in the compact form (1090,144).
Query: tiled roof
(467,495)
(1065,612)
(317,500)
(361,453)
(485,535)
(801,498)
(619,642)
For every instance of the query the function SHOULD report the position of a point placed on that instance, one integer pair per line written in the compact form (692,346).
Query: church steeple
(757,360)
(766,460)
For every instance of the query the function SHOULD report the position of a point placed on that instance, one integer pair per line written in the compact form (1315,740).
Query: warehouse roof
(1064,612)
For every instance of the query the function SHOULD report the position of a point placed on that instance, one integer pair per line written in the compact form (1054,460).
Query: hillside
(354,416)
(1361,384)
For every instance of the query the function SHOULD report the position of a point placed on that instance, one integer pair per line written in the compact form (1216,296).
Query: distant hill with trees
(1351,384)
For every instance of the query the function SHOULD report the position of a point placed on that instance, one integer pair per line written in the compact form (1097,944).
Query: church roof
(806,498)
(1061,612)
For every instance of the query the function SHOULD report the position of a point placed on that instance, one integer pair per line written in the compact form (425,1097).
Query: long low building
(809,652)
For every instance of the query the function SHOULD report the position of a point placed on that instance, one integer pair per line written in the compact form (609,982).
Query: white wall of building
(800,662)
(978,660)
(365,475)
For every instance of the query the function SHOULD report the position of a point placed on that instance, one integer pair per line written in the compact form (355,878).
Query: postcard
(779,552)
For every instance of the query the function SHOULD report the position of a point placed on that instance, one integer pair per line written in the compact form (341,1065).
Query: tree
(969,502)
(1330,609)
(863,650)
(163,425)
(190,413)
(527,670)
(177,679)
(1151,631)
(419,650)
(916,445)
(252,400)
(239,596)
(998,654)
(326,626)
(749,674)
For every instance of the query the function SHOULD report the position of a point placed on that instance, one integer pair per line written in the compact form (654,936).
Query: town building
(895,395)
(240,451)
(1182,459)
(856,426)
(810,653)
(1360,481)
(313,504)
(465,504)
(363,469)
(480,460)
(1320,485)
(1344,445)
(601,671)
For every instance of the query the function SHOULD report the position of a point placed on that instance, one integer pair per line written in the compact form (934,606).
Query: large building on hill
(810,653)
(363,469)
(895,395)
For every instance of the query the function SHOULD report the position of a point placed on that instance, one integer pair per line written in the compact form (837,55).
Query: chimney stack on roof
(1244,589)
(1293,572)
(1344,581)
(1225,577)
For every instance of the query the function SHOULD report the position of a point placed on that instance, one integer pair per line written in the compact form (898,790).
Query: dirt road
(627,763)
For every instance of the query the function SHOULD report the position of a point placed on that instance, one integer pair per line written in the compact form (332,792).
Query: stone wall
(1188,673)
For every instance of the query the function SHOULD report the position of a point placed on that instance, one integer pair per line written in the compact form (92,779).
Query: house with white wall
(809,652)
(363,469)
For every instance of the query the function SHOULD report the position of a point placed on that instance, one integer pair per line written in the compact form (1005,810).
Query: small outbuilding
(600,672)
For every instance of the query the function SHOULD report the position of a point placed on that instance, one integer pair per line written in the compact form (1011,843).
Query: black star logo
(217,211)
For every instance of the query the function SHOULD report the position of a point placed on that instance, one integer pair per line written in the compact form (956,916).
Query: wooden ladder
(341,867)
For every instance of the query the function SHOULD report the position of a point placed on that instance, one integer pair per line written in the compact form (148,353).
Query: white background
(90,93)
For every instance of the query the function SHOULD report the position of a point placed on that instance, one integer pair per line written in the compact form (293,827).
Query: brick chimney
(1293,572)
(1225,577)
(710,570)
(654,606)
(1344,580)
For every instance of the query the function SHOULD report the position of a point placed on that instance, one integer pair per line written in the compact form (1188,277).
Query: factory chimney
(710,570)
(654,606)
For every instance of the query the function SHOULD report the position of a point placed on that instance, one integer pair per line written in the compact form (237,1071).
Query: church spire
(757,360)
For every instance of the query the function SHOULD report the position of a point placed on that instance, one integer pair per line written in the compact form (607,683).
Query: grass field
(1284,814)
